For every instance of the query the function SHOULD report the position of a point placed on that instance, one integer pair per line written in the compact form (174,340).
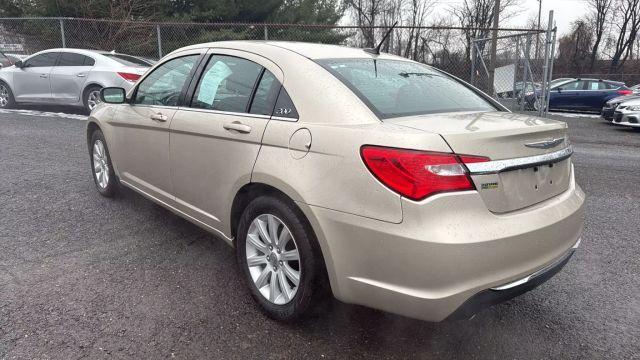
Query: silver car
(68,77)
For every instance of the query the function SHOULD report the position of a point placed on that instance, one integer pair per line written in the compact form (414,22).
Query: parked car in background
(406,190)
(610,106)
(518,86)
(586,95)
(635,88)
(68,77)
(628,113)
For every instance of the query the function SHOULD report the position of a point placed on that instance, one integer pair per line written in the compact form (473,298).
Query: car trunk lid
(529,156)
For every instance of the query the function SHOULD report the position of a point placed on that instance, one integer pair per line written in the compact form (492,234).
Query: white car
(68,77)
(628,114)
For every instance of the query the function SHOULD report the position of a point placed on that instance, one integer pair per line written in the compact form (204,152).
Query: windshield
(395,88)
(129,60)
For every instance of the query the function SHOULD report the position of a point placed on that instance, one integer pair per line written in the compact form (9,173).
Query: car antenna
(376,50)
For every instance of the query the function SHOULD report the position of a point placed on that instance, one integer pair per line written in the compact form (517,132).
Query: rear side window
(598,85)
(394,88)
(42,60)
(71,59)
(266,93)
(226,84)
(164,85)
(574,85)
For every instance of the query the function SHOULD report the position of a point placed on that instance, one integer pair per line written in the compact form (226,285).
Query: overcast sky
(565,11)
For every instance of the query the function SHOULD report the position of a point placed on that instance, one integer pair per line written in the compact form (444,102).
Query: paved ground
(82,276)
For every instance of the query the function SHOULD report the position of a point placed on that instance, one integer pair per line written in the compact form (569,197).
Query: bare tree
(366,14)
(574,47)
(600,13)
(477,17)
(627,15)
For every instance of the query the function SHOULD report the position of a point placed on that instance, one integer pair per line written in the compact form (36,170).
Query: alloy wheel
(94,99)
(273,259)
(100,164)
(4,96)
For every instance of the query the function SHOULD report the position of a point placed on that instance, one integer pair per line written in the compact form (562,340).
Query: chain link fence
(523,66)
(519,64)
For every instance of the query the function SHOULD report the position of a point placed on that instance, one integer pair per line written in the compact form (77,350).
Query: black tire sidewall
(12,101)
(112,184)
(311,285)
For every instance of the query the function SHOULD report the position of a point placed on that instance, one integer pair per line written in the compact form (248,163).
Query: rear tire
(7,100)
(91,97)
(104,176)
(277,264)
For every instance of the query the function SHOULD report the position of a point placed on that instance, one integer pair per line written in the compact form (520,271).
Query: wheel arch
(252,190)
(92,126)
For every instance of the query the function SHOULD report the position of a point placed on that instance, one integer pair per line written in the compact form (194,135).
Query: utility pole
(494,45)
(538,27)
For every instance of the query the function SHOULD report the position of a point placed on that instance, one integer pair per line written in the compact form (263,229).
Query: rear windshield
(128,60)
(394,88)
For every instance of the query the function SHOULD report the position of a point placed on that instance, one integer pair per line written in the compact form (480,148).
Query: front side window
(394,88)
(42,60)
(226,84)
(164,85)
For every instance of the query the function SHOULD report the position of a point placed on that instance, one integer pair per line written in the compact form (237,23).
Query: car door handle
(237,126)
(44,76)
(159,117)
(81,75)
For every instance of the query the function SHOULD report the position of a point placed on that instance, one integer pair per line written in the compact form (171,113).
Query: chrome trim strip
(539,272)
(220,112)
(497,166)
(283,118)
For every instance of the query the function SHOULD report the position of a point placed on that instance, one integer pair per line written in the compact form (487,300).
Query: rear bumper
(496,295)
(447,249)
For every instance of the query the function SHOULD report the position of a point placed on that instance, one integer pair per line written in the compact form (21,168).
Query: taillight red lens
(625,92)
(129,76)
(418,174)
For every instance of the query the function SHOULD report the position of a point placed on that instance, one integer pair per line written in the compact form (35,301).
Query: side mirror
(559,89)
(113,95)
(19,64)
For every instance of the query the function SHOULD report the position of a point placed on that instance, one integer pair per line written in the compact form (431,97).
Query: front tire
(7,100)
(104,175)
(279,258)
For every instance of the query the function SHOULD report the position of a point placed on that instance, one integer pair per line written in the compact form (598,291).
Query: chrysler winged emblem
(545,144)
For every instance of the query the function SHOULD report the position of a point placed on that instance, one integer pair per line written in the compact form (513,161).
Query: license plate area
(516,189)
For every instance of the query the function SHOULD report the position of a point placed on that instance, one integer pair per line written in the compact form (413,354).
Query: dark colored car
(610,106)
(581,94)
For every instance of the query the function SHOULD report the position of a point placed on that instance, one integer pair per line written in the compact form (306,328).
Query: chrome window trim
(220,112)
(497,166)
(280,118)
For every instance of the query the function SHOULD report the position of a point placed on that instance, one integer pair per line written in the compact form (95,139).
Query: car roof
(308,50)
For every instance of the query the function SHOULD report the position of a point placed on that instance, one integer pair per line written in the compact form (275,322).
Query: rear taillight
(624,92)
(419,174)
(129,76)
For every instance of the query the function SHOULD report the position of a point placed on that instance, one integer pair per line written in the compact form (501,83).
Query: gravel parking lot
(82,276)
